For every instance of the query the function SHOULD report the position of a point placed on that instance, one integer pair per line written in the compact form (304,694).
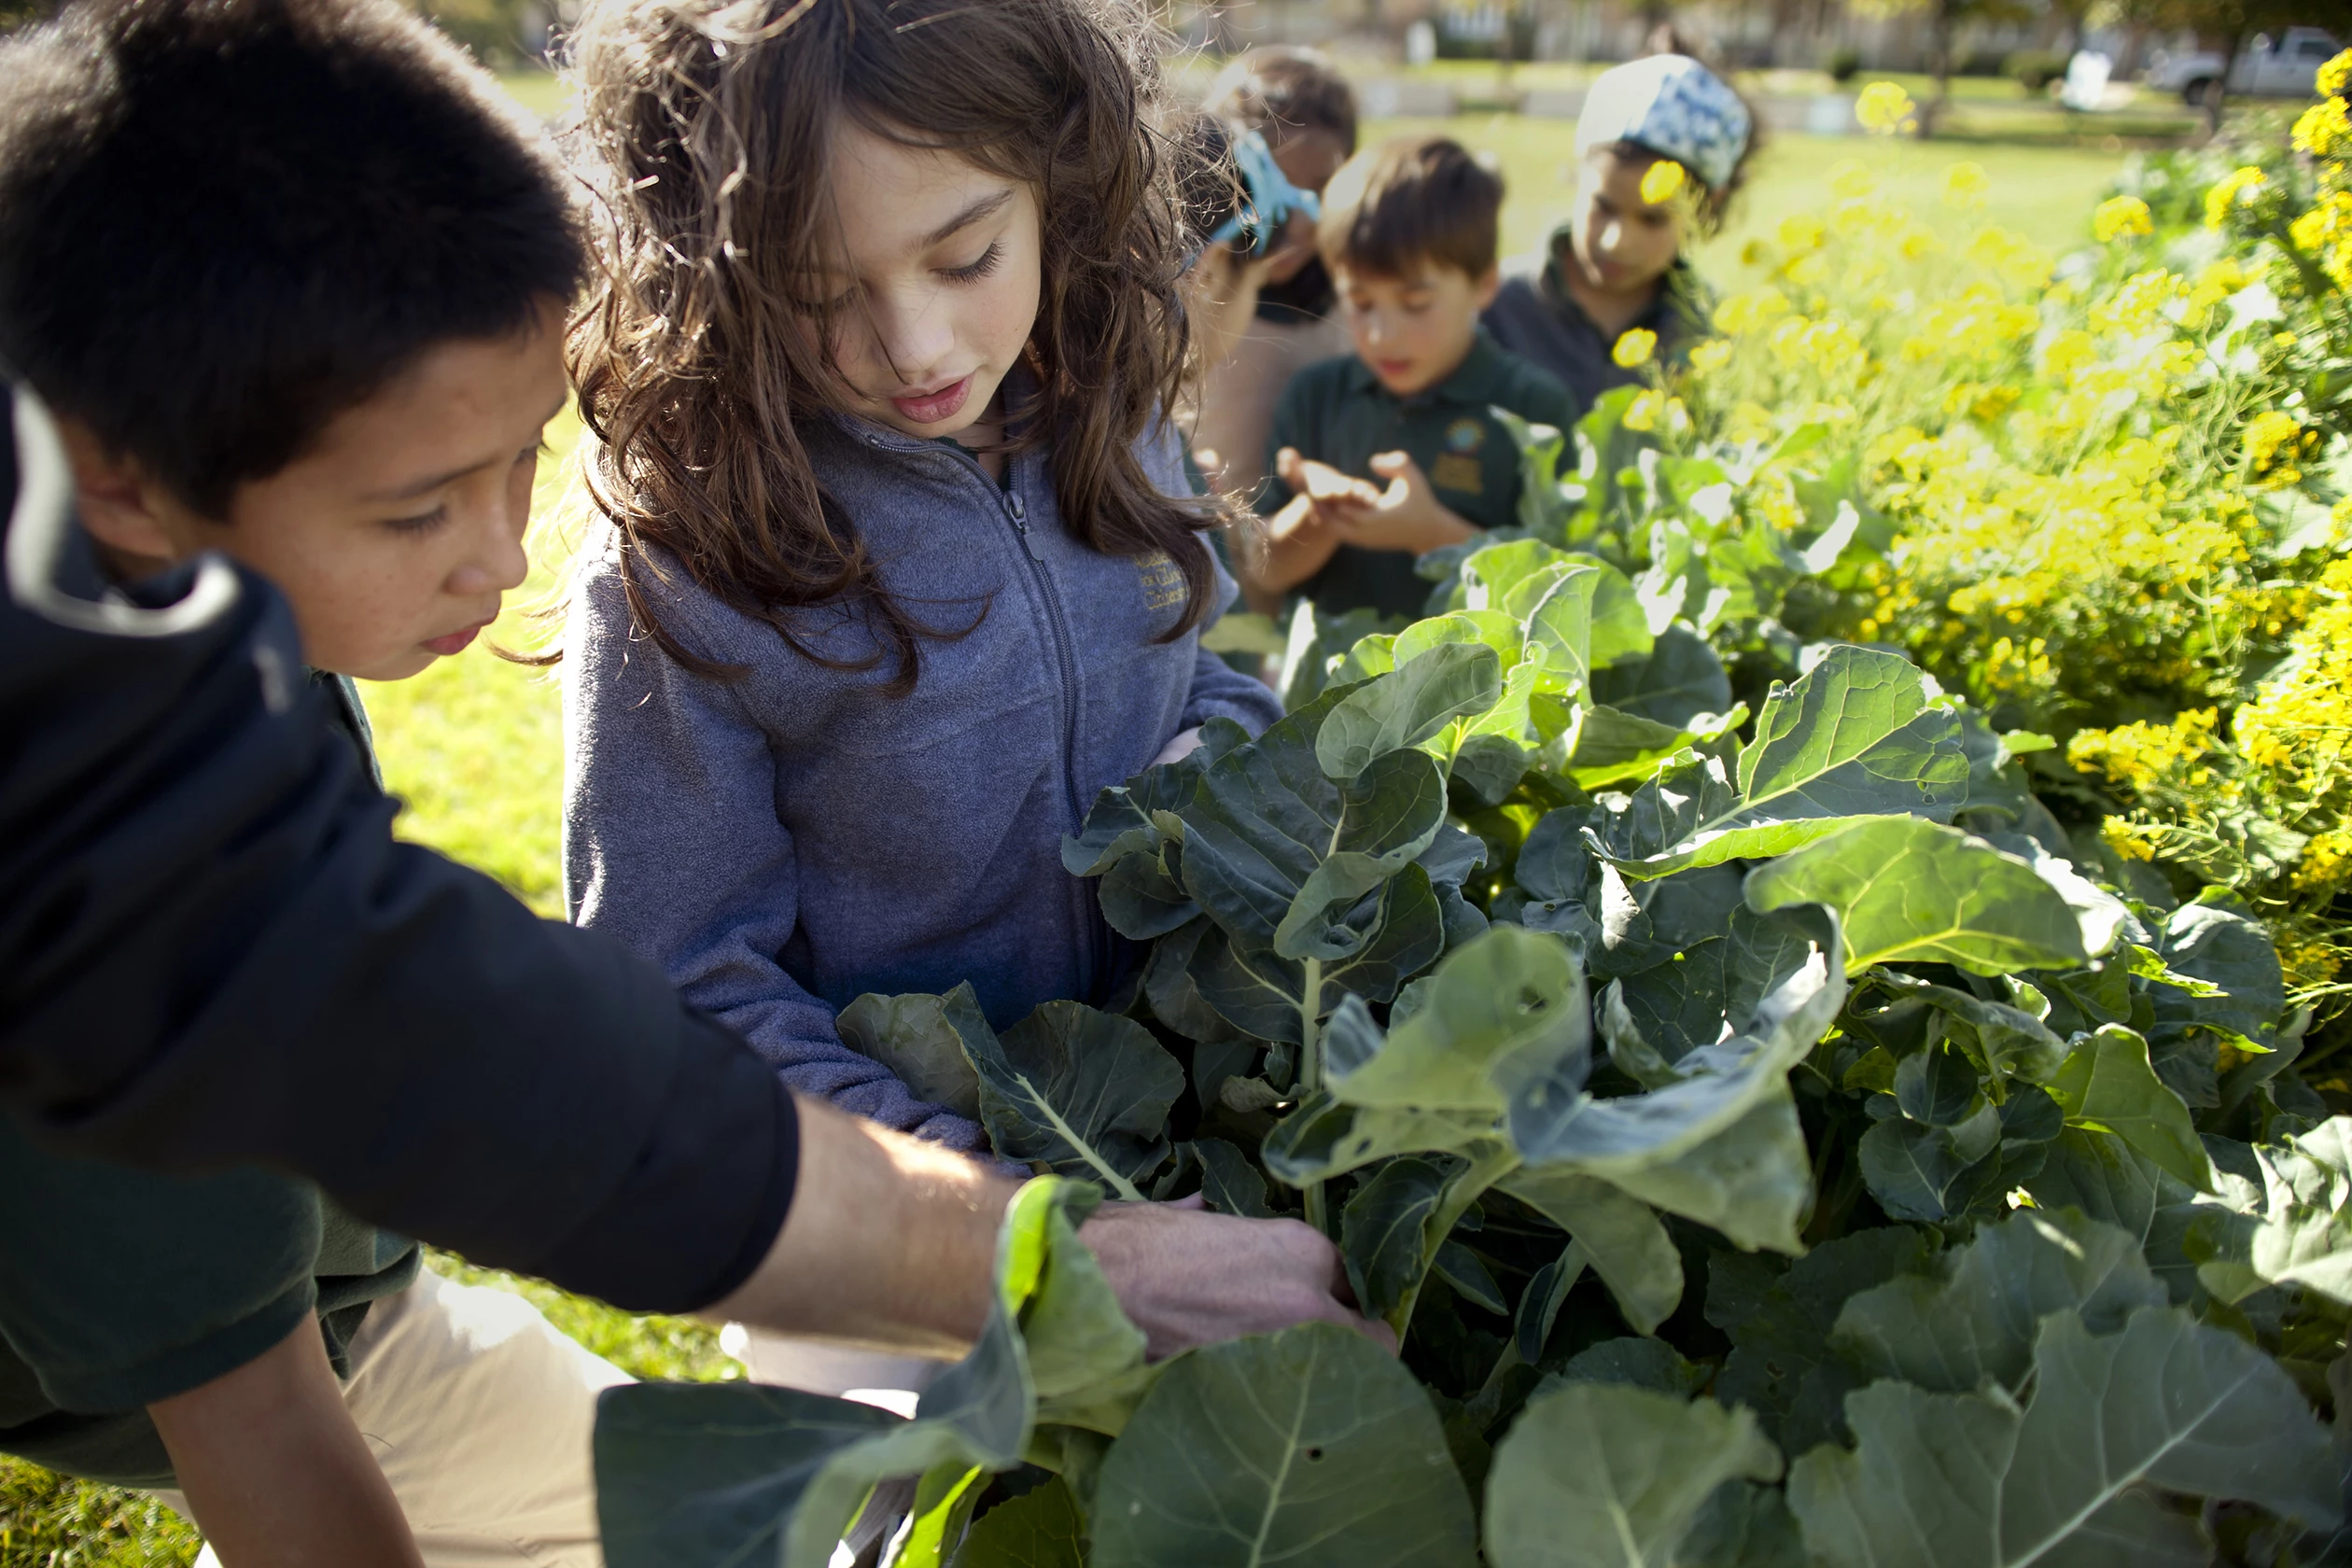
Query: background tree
(1944,20)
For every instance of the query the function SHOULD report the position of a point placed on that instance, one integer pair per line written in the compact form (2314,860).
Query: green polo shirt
(120,1287)
(1338,413)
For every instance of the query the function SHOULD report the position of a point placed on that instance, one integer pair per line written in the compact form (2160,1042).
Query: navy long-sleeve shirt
(213,952)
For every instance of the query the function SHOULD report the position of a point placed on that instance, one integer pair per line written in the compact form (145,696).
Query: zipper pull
(1019,514)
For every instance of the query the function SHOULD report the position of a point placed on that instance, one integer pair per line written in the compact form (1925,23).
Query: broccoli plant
(1774,1139)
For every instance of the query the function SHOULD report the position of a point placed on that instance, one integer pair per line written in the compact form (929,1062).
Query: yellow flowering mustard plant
(2335,77)
(2232,192)
(2121,217)
(1633,348)
(2323,131)
(2086,482)
(1886,109)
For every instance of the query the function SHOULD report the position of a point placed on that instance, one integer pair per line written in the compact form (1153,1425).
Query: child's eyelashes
(987,262)
(422,523)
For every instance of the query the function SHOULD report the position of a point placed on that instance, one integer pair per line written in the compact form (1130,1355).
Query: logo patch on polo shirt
(1453,471)
(1465,436)
(1163,581)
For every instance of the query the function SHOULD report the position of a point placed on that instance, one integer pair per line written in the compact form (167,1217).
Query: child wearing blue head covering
(1617,263)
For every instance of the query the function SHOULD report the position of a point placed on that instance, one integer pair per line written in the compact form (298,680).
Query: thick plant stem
(1310,1071)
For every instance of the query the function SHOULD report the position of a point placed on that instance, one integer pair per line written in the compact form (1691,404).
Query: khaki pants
(482,1416)
(887,1382)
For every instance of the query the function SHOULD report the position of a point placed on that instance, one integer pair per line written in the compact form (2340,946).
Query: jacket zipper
(1015,512)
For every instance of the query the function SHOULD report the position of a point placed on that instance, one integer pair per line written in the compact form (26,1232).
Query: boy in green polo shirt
(1385,454)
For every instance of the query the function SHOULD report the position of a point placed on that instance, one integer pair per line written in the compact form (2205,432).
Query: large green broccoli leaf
(1083,1092)
(2301,1233)
(1506,1009)
(1607,1475)
(698,1476)
(2113,1182)
(1752,1180)
(1040,1529)
(1408,707)
(1779,1319)
(2107,1085)
(1972,1478)
(922,1038)
(1907,890)
(1977,1316)
(1324,1138)
(1313,1444)
(1716,1086)
(1856,736)
(1622,1240)
(1260,992)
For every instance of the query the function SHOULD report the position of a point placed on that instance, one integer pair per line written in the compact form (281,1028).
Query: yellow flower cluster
(2323,131)
(1964,185)
(2327,861)
(2120,216)
(2300,724)
(1661,181)
(2274,442)
(2140,757)
(2335,77)
(2140,304)
(1884,108)
(2325,233)
(1634,348)
(2232,191)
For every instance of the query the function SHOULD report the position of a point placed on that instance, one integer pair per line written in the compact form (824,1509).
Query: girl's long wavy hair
(709,127)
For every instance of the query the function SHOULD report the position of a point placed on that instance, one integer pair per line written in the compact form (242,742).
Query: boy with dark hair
(1392,452)
(292,276)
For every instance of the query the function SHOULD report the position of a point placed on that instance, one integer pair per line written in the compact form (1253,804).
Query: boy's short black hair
(225,222)
(1399,206)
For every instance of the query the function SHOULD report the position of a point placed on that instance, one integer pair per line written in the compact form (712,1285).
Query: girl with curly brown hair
(895,568)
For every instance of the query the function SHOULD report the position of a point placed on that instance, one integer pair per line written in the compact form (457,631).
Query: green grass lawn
(474,745)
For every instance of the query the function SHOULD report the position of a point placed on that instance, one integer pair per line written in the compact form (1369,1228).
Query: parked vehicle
(2269,66)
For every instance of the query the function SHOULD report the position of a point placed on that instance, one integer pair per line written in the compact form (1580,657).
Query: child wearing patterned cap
(1616,264)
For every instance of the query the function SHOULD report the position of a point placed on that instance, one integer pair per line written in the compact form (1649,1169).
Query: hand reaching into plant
(1187,1276)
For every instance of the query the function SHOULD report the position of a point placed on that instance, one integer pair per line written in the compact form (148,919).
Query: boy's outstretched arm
(891,1240)
(274,1470)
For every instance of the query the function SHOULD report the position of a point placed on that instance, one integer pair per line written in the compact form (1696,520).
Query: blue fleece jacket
(784,843)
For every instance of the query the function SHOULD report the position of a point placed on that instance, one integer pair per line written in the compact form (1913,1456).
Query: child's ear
(116,502)
(1490,283)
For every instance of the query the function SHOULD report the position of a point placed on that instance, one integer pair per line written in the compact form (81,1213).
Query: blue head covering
(1269,197)
(1675,107)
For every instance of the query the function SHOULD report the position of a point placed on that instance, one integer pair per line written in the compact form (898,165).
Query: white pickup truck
(2278,66)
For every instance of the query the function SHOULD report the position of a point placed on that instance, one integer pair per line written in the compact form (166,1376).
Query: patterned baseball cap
(1675,107)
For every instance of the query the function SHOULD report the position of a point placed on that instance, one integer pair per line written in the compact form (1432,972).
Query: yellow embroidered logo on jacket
(1163,581)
